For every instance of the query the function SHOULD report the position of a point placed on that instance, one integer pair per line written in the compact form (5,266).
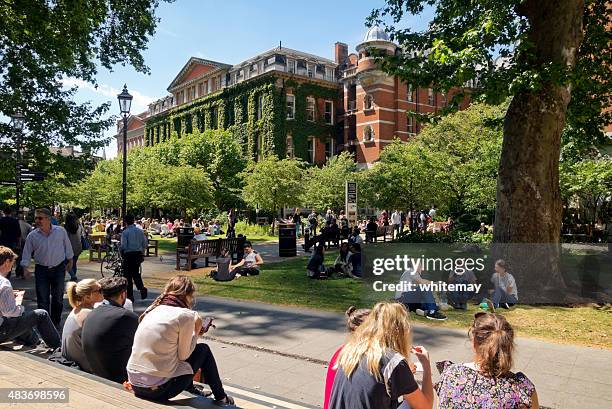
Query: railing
(349,72)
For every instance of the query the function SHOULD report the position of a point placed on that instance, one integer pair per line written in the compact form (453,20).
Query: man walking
(53,257)
(396,220)
(133,246)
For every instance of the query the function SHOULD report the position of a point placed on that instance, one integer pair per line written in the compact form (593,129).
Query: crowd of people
(157,354)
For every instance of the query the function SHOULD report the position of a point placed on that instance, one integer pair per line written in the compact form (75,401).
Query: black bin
(287,245)
(184,235)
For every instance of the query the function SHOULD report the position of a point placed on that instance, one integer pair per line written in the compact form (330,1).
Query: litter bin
(184,235)
(287,246)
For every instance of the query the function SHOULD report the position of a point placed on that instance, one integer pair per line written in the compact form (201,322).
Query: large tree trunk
(529,209)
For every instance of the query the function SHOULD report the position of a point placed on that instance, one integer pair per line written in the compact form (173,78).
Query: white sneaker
(420,312)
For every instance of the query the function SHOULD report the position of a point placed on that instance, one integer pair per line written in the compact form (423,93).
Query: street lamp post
(125,102)
(18,122)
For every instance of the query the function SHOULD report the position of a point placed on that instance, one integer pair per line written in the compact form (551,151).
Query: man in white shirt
(396,221)
(433,211)
(505,292)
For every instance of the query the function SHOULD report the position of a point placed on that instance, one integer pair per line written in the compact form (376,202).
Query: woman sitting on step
(166,354)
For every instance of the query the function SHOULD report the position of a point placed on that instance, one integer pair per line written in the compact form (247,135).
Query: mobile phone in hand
(207,322)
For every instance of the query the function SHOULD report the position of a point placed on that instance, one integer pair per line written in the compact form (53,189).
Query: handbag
(85,243)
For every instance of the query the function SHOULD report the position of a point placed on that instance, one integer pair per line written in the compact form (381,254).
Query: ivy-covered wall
(264,129)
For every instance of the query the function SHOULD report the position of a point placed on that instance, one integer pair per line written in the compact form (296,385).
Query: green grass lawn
(286,283)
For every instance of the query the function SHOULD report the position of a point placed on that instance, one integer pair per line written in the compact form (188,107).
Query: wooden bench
(97,246)
(205,249)
(153,245)
(381,231)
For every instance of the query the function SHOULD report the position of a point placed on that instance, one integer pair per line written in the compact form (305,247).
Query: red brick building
(358,107)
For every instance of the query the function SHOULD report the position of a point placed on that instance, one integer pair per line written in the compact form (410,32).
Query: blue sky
(231,31)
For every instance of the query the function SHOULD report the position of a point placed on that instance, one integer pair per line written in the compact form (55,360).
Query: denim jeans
(201,358)
(500,296)
(131,271)
(50,290)
(22,328)
(420,299)
(73,271)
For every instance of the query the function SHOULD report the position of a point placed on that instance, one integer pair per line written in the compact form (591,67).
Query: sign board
(351,202)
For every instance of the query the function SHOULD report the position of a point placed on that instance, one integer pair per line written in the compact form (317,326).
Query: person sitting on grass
(373,366)
(108,332)
(82,296)
(17,324)
(354,318)
(166,352)
(488,381)
(417,298)
(342,264)
(315,267)
(355,260)
(249,265)
(458,299)
(504,293)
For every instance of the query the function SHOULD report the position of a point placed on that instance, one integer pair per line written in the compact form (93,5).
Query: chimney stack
(341,53)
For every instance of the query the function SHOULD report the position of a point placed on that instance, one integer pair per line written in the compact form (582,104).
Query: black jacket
(107,338)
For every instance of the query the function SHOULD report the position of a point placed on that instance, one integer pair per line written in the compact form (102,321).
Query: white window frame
(409,97)
(290,148)
(410,124)
(291,111)
(430,96)
(329,154)
(312,153)
(311,69)
(329,73)
(291,65)
(331,112)
(309,101)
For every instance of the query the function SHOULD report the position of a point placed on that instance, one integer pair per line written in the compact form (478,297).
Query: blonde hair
(493,339)
(386,328)
(78,291)
(179,286)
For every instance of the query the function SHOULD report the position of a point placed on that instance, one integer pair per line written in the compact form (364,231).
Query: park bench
(205,249)
(97,246)
(152,245)
(381,231)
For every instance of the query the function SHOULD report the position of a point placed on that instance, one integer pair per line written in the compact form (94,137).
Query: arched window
(368,134)
(368,102)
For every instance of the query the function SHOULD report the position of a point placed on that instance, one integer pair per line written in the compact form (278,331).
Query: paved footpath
(283,351)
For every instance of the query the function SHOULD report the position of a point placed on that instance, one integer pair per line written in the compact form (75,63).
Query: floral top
(462,387)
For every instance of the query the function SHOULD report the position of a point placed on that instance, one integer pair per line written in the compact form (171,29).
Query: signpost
(351,202)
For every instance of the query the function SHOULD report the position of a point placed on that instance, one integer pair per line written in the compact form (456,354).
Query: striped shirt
(8,305)
(49,250)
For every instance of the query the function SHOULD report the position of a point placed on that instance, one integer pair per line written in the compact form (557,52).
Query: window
(329,112)
(329,74)
(310,109)
(230,114)
(260,100)
(290,152)
(310,70)
(290,65)
(214,117)
(430,96)
(311,150)
(290,106)
(368,134)
(329,149)
(410,96)
(410,124)
(368,102)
